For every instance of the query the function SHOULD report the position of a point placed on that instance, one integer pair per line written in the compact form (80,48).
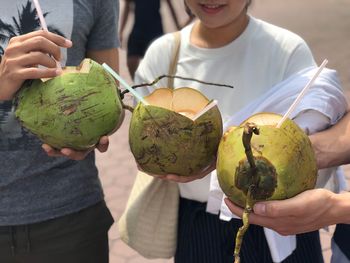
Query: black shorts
(81,237)
(138,44)
(147,26)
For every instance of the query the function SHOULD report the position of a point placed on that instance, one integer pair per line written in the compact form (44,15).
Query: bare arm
(173,14)
(124,18)
(108,56)
(332,146)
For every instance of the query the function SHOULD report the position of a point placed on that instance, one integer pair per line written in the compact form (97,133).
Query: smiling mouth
(212,7)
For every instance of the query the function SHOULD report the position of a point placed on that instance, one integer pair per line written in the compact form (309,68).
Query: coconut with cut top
(73,109)
(164,138)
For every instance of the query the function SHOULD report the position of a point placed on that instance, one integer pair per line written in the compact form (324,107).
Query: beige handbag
(149,222)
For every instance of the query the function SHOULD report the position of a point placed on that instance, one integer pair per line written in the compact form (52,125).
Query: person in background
(147,26)
(52,207)
(317,208)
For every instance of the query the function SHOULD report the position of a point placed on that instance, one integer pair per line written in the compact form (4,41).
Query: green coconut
(71,110)
(272,164)
(165,140)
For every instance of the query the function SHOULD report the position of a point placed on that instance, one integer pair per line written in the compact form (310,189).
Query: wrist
(8,88)
(320,148)
(330,150)
(7,93)
(5,96)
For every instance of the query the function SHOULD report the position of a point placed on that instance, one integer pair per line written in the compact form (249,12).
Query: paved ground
(324,24)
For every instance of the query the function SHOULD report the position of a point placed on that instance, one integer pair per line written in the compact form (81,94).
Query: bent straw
(123,82)
(205,109)
(43,23)
(302,93)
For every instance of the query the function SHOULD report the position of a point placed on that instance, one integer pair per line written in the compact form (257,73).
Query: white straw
(40,14)
(43,23)
(123,82)
(302,93)
(205,109)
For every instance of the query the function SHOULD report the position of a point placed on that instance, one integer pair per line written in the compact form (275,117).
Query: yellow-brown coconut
(284,158)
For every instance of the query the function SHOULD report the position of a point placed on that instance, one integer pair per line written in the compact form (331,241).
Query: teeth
(212,6)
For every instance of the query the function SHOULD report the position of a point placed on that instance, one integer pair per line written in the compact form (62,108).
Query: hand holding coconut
(22,57)
(102,147)
(308,211)
(312,209)
(72,111)
(167,143)
(184,179)
(20,62)
(271,164)
(278,164)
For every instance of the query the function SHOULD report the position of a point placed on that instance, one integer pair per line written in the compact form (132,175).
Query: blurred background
(324,24)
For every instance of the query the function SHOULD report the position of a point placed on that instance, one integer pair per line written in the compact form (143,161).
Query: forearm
(332,146)
(108,56)
(124,17)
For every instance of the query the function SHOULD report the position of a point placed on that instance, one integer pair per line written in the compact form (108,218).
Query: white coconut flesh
(261,119)
(185,101)
(264,119)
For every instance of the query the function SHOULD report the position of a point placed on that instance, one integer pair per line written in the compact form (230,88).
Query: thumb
(103,144)
(275,208)
(260,209)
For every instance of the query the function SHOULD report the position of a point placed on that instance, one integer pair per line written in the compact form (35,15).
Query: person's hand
(184,179)
(23,55)
(308,211)
(102,146)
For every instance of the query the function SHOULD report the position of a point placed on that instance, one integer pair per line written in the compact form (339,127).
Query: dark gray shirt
(33,186)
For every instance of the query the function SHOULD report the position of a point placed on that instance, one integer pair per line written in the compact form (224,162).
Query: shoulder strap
(174,58)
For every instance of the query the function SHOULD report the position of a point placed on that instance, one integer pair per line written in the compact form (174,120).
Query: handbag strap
(174,58)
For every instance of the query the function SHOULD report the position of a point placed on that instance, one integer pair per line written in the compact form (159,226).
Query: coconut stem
(239,237)
(175,77)
(127,107)
(249,129)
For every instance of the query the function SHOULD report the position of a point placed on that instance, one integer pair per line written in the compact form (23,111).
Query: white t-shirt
(262,56)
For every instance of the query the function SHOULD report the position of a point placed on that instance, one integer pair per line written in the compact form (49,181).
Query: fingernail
(45,148)
(104,141)
(68,43)
(260,209)
(58,71)
(65,151)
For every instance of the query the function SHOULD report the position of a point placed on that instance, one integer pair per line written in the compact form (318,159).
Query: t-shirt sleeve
(104,34)
(300,58)
(155,64)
